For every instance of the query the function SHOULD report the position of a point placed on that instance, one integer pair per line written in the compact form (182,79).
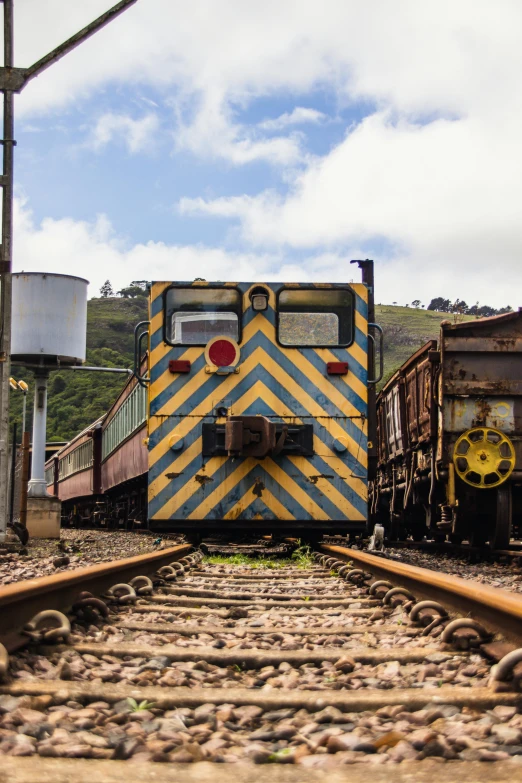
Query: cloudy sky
(238,139)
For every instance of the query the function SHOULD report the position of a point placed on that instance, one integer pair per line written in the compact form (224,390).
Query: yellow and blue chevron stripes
(286,384)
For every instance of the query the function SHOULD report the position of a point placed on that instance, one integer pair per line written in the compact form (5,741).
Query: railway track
(473,553)
(317,671)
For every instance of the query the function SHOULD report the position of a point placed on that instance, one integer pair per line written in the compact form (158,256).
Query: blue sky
(63,175)
(275,141)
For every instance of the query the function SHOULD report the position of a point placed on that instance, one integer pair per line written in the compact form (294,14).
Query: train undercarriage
(123,508)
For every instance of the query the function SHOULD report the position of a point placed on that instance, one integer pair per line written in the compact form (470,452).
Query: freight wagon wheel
(484,457)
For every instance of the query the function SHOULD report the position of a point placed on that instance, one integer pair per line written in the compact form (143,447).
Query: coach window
(196,315)
(315,317)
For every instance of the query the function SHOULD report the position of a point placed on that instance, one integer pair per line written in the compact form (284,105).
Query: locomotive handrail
(143,380)
(381,351)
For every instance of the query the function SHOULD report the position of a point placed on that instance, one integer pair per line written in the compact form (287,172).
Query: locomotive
(449,437)
(251,409)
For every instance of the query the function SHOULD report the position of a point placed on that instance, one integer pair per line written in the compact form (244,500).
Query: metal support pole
(5,270)
(25,479)
(13,477)
(14,80)
(24,409)
(37,485)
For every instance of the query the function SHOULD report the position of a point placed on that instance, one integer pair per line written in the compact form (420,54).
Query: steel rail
(19,602)
(498,610)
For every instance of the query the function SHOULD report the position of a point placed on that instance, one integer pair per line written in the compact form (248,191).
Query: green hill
(405,330)
(78,398)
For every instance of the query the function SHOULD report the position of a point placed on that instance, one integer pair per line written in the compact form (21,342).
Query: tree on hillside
(440,304)
(416,303)
(106,290)
(482,311)
(139,284)
(132,291)
(458,306)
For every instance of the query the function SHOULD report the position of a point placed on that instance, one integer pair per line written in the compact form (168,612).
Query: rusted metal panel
(463,413)
(393,421)
(418,380)
(405,413)
(483,356)
(481,383)
(385,449)
(471,344)
(128,461)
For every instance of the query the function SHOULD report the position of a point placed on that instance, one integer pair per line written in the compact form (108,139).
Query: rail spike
(420,614)
(167,572)
(142,585)
(85,605)
(504,668)
(4,661)
(394,593)
(479,635)
(122,594)
(379,586)
(38,628)
(355,576)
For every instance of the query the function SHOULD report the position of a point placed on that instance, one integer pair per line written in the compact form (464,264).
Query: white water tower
(49,331)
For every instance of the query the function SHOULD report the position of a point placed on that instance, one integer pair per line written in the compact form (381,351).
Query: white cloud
(93,250)
(137,135)
(445,195)
(213,133)
(298,116)
(415,57)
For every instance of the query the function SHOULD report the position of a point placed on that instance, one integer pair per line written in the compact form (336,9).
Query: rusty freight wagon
(259,406)
(449,436)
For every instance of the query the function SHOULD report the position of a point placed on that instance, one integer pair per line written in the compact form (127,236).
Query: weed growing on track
(143,705)
(303,555)
(253,562)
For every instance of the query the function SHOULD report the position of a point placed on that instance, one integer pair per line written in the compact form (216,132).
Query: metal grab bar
(143,380)
(381,352)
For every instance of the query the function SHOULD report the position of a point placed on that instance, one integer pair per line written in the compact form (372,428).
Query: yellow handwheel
(484,457)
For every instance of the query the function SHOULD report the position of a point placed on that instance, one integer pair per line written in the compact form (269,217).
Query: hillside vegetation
(78,398)
(406,329)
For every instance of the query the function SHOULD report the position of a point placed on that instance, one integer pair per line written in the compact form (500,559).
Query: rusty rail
(498,610)
(20,601)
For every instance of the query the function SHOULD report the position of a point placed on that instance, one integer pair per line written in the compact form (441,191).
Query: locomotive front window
(196,315)
(315,317)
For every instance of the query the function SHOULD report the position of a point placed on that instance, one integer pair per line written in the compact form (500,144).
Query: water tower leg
(37,484)
(43,510)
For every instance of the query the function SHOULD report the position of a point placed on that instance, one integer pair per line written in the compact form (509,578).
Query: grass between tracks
(252,562)
(301,557)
